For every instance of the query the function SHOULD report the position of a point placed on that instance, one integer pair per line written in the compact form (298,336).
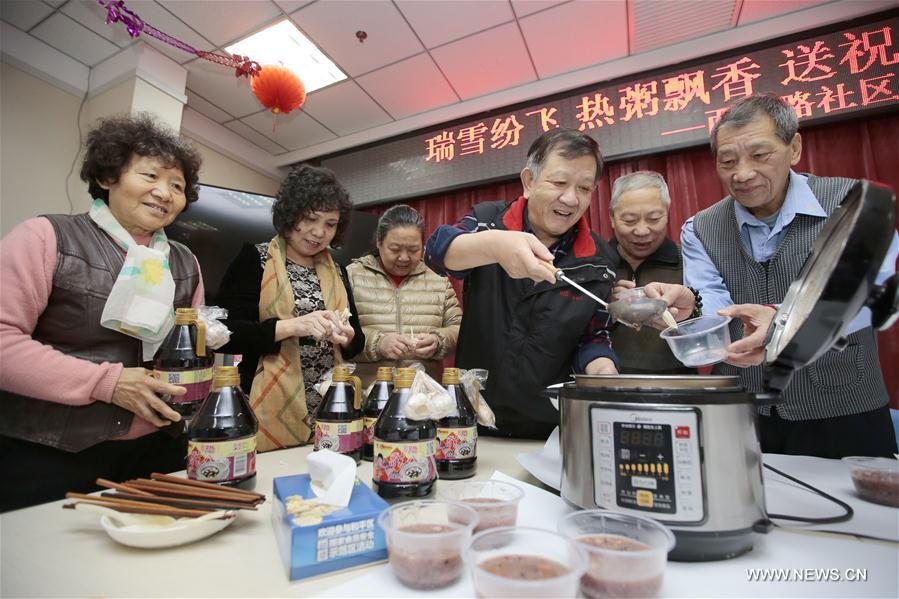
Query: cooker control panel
(648,461)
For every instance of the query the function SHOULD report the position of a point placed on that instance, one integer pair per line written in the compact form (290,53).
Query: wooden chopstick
(178,502)
(125,488)
(174,513)
(137,507)
(200,484)
(160,487)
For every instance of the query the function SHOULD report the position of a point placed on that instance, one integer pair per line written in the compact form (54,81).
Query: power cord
(849,512)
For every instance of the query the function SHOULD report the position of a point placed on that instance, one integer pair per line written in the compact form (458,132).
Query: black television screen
(222,220)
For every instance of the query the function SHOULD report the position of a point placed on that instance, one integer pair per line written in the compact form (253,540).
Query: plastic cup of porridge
(627,554)
(875,479)
(496,502)
(524,562)
(425,540)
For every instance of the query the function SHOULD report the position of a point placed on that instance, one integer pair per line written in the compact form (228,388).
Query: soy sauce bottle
(371,409)
(457,436)
(404,449)
(338,418)
(182,360)
(221,438)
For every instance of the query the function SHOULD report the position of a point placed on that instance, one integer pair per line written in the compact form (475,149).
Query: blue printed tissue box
(313,543)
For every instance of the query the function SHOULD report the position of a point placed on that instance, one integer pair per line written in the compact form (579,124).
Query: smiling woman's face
(148,195)
(311,235)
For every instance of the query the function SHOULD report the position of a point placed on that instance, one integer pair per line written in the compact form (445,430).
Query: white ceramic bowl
(186,530)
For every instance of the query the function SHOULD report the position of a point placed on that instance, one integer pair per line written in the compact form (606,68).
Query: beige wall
(38,143)
(222,171)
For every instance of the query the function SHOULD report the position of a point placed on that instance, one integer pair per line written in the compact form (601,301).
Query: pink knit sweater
(27,263)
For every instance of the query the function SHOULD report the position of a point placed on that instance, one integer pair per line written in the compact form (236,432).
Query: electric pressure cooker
(684,449)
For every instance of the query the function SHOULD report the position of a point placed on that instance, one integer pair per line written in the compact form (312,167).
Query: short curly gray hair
(308,189)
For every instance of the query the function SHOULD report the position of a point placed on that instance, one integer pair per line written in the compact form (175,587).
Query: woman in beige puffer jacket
(408,312)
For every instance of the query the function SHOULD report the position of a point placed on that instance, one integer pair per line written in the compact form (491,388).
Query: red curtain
(866,149)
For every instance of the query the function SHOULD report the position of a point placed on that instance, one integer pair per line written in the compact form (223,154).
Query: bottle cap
(341,374)
(385,373)
(226,376)
(450,376)
(185,315)
(404,378)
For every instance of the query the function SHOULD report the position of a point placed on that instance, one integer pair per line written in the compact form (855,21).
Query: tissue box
(347,538)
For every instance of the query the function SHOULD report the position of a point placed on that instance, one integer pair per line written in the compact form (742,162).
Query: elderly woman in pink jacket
(86,299)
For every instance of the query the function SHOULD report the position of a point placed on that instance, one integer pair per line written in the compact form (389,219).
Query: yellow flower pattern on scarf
(152,271)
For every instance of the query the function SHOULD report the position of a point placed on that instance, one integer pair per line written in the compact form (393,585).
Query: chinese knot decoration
(117,12)
(278,89)
(275,87)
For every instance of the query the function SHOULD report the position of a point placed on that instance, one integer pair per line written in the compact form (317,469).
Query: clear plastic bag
(473,381)
(428,400)
(217,334)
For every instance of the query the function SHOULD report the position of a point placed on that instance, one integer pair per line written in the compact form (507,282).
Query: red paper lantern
(278,89)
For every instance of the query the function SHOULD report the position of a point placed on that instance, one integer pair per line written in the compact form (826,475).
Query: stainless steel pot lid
(835,282)
(656,381)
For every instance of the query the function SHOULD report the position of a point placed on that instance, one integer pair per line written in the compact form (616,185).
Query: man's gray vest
(836,384)
(87,264)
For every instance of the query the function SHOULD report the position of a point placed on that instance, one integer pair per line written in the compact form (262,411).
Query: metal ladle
(633,312)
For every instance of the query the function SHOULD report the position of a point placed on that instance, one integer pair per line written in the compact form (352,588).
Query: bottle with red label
(182,360)
(404,464)
(338,419)
(457,435)
(221,438)
(372,408)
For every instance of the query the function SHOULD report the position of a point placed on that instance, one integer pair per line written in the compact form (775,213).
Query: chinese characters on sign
(846,71)
(817,78)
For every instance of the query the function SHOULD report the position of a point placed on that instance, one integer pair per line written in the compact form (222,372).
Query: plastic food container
(524,562)
(425,540)
(699,341)
(496,502)
(627,554)
(875,479)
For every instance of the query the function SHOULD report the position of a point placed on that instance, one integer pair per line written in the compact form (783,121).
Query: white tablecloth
(49,552)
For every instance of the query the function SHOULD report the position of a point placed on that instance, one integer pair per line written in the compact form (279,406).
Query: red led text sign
(847,71)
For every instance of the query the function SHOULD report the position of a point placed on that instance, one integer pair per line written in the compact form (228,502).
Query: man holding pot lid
(530,335)
(748,248)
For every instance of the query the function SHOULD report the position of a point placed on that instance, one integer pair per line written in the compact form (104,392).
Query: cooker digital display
(648,461)
(644,467)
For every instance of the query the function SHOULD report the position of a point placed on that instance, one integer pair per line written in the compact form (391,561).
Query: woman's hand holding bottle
(139,392)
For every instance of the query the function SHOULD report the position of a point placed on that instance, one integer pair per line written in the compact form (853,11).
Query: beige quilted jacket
(424,301)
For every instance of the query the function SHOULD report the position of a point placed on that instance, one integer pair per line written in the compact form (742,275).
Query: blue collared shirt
(761,243)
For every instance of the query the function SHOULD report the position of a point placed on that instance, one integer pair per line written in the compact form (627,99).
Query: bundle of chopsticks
(164,495)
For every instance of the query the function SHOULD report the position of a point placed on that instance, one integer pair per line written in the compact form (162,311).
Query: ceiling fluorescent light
(283,44)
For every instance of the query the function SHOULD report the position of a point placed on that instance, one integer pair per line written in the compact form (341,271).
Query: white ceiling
(424,61)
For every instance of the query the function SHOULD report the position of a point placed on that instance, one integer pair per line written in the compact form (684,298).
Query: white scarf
(140,303)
